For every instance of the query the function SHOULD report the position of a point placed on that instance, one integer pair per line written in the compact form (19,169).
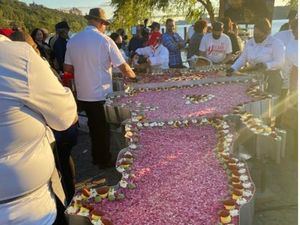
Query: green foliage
(132,12)
(293,4)
(36,16)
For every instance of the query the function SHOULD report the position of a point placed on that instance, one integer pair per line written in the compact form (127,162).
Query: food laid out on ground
(171,180)
(171,75)
(186,101)
(179,167)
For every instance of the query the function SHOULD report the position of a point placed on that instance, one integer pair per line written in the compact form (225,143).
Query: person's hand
(261,66)
(128,80)
(229,72)
(133,79)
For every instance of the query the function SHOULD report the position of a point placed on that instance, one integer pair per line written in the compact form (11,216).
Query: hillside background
(33,16)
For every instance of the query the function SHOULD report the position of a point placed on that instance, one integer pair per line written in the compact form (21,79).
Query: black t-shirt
(59,49)
(135,43)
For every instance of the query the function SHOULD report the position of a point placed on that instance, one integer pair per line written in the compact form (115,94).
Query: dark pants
(99,131)
(65,141)
(60,216)
(275,83)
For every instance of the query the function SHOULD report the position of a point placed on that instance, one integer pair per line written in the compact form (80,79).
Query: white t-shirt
(31,99)
(93,54)
(216,49)
(158,57)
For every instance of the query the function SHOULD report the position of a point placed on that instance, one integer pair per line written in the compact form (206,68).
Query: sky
(85,5)
(70,3)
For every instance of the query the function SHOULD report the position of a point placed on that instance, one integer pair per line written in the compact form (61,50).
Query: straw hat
(97,14)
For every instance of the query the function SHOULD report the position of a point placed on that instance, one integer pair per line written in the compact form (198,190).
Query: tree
(293,4)
(36,16)
(132,12)
(209,7)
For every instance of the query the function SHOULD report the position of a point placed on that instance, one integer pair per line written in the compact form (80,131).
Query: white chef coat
(93,54)
(270,52)
(31,98)
(216,49)
(158,57)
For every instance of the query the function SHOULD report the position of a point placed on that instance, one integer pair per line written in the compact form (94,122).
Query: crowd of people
(38,122)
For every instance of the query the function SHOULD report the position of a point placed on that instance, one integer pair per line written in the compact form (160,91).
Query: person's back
(90,56)
(27,108)
(12,100)
(89,53)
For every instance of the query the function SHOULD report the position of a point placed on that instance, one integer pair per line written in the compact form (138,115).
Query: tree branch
(209,8)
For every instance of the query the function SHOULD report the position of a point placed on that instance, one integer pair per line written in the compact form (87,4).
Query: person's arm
(48,97)
(227,58)
(202,46)
(127,71)
(118,61)
(68,66)
(241,61)
(278,56)
(169,43)
(142,51)
(181,43)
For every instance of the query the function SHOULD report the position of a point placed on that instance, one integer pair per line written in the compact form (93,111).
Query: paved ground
(276,206)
